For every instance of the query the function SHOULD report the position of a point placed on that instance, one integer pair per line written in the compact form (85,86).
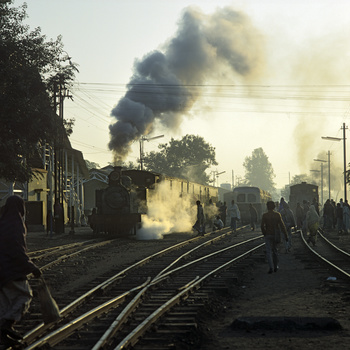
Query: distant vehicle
(245,195)
(300,192)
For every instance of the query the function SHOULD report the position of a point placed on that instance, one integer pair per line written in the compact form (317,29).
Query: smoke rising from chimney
(165,84)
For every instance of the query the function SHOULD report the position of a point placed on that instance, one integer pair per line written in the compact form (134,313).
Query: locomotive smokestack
(166,83)
(115,175)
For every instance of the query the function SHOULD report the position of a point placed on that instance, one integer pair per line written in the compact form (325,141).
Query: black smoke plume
(166,83)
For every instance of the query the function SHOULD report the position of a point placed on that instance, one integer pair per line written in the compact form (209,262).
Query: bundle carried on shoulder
(49,309)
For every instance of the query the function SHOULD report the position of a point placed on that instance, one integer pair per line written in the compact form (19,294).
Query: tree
(91,165)
(259,171)
(187,158)
(129,165)
(30,69)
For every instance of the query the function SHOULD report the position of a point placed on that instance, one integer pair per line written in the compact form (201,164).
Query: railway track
(46,258)
(330,255)
(153,303)
(164,269)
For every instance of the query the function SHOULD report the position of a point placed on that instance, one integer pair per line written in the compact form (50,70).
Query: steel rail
(323,259)
(67,256)
(66,330)
(133,337)
(332,244)
(159,278)
(205,257)
(53,250)
(194,249)
(41,328)
(122,317)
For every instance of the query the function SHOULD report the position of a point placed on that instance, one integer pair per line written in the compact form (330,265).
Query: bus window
(241,198)
(251,198)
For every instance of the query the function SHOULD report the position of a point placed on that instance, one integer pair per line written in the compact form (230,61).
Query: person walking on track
(271,225)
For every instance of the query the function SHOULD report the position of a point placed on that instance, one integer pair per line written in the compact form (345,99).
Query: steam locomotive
(120,206)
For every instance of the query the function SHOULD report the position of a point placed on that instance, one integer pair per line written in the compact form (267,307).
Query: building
(55,196)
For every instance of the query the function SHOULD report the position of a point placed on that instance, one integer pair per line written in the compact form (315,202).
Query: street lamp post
(216,174)
(142,139)
(329,177)
(344,127)
(320,171)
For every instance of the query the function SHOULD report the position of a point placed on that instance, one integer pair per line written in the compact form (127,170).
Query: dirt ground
(294,291)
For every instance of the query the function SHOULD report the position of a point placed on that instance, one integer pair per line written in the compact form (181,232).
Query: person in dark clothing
(306,208)
(272,224)
(217,223)
(253,216)
(289,222)
(223,213)
(328,214)
(92,220)
(299,213)
(339,218)
(200,223)
(316,205)
(15,265)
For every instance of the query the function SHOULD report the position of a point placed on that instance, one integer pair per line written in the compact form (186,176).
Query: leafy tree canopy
(91,165)
(259,171)
(187,158)
(32,72)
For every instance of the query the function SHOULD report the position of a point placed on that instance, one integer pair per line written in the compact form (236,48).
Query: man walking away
(271,224)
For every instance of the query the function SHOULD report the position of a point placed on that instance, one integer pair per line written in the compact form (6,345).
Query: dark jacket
(14,261)
(270,222)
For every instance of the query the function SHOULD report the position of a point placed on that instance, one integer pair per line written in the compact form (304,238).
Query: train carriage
(245,195)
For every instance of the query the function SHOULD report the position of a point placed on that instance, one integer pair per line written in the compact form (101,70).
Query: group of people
(336,216)
(308,218)
(222,212)
(15,265)
(278,222)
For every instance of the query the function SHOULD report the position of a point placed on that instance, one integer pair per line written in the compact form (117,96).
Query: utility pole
(216,175)
(344,128)
(60,93)
(344,151)
(329,175)
(323,161)
(142,139)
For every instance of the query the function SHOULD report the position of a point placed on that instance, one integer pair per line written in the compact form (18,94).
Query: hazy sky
(289,88)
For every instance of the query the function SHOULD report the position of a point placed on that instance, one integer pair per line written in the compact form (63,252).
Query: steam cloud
(165,84)
(177,216)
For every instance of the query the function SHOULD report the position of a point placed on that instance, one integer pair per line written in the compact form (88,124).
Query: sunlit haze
(277,78)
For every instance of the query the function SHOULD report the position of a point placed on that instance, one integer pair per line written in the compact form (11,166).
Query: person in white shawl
(312,223)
